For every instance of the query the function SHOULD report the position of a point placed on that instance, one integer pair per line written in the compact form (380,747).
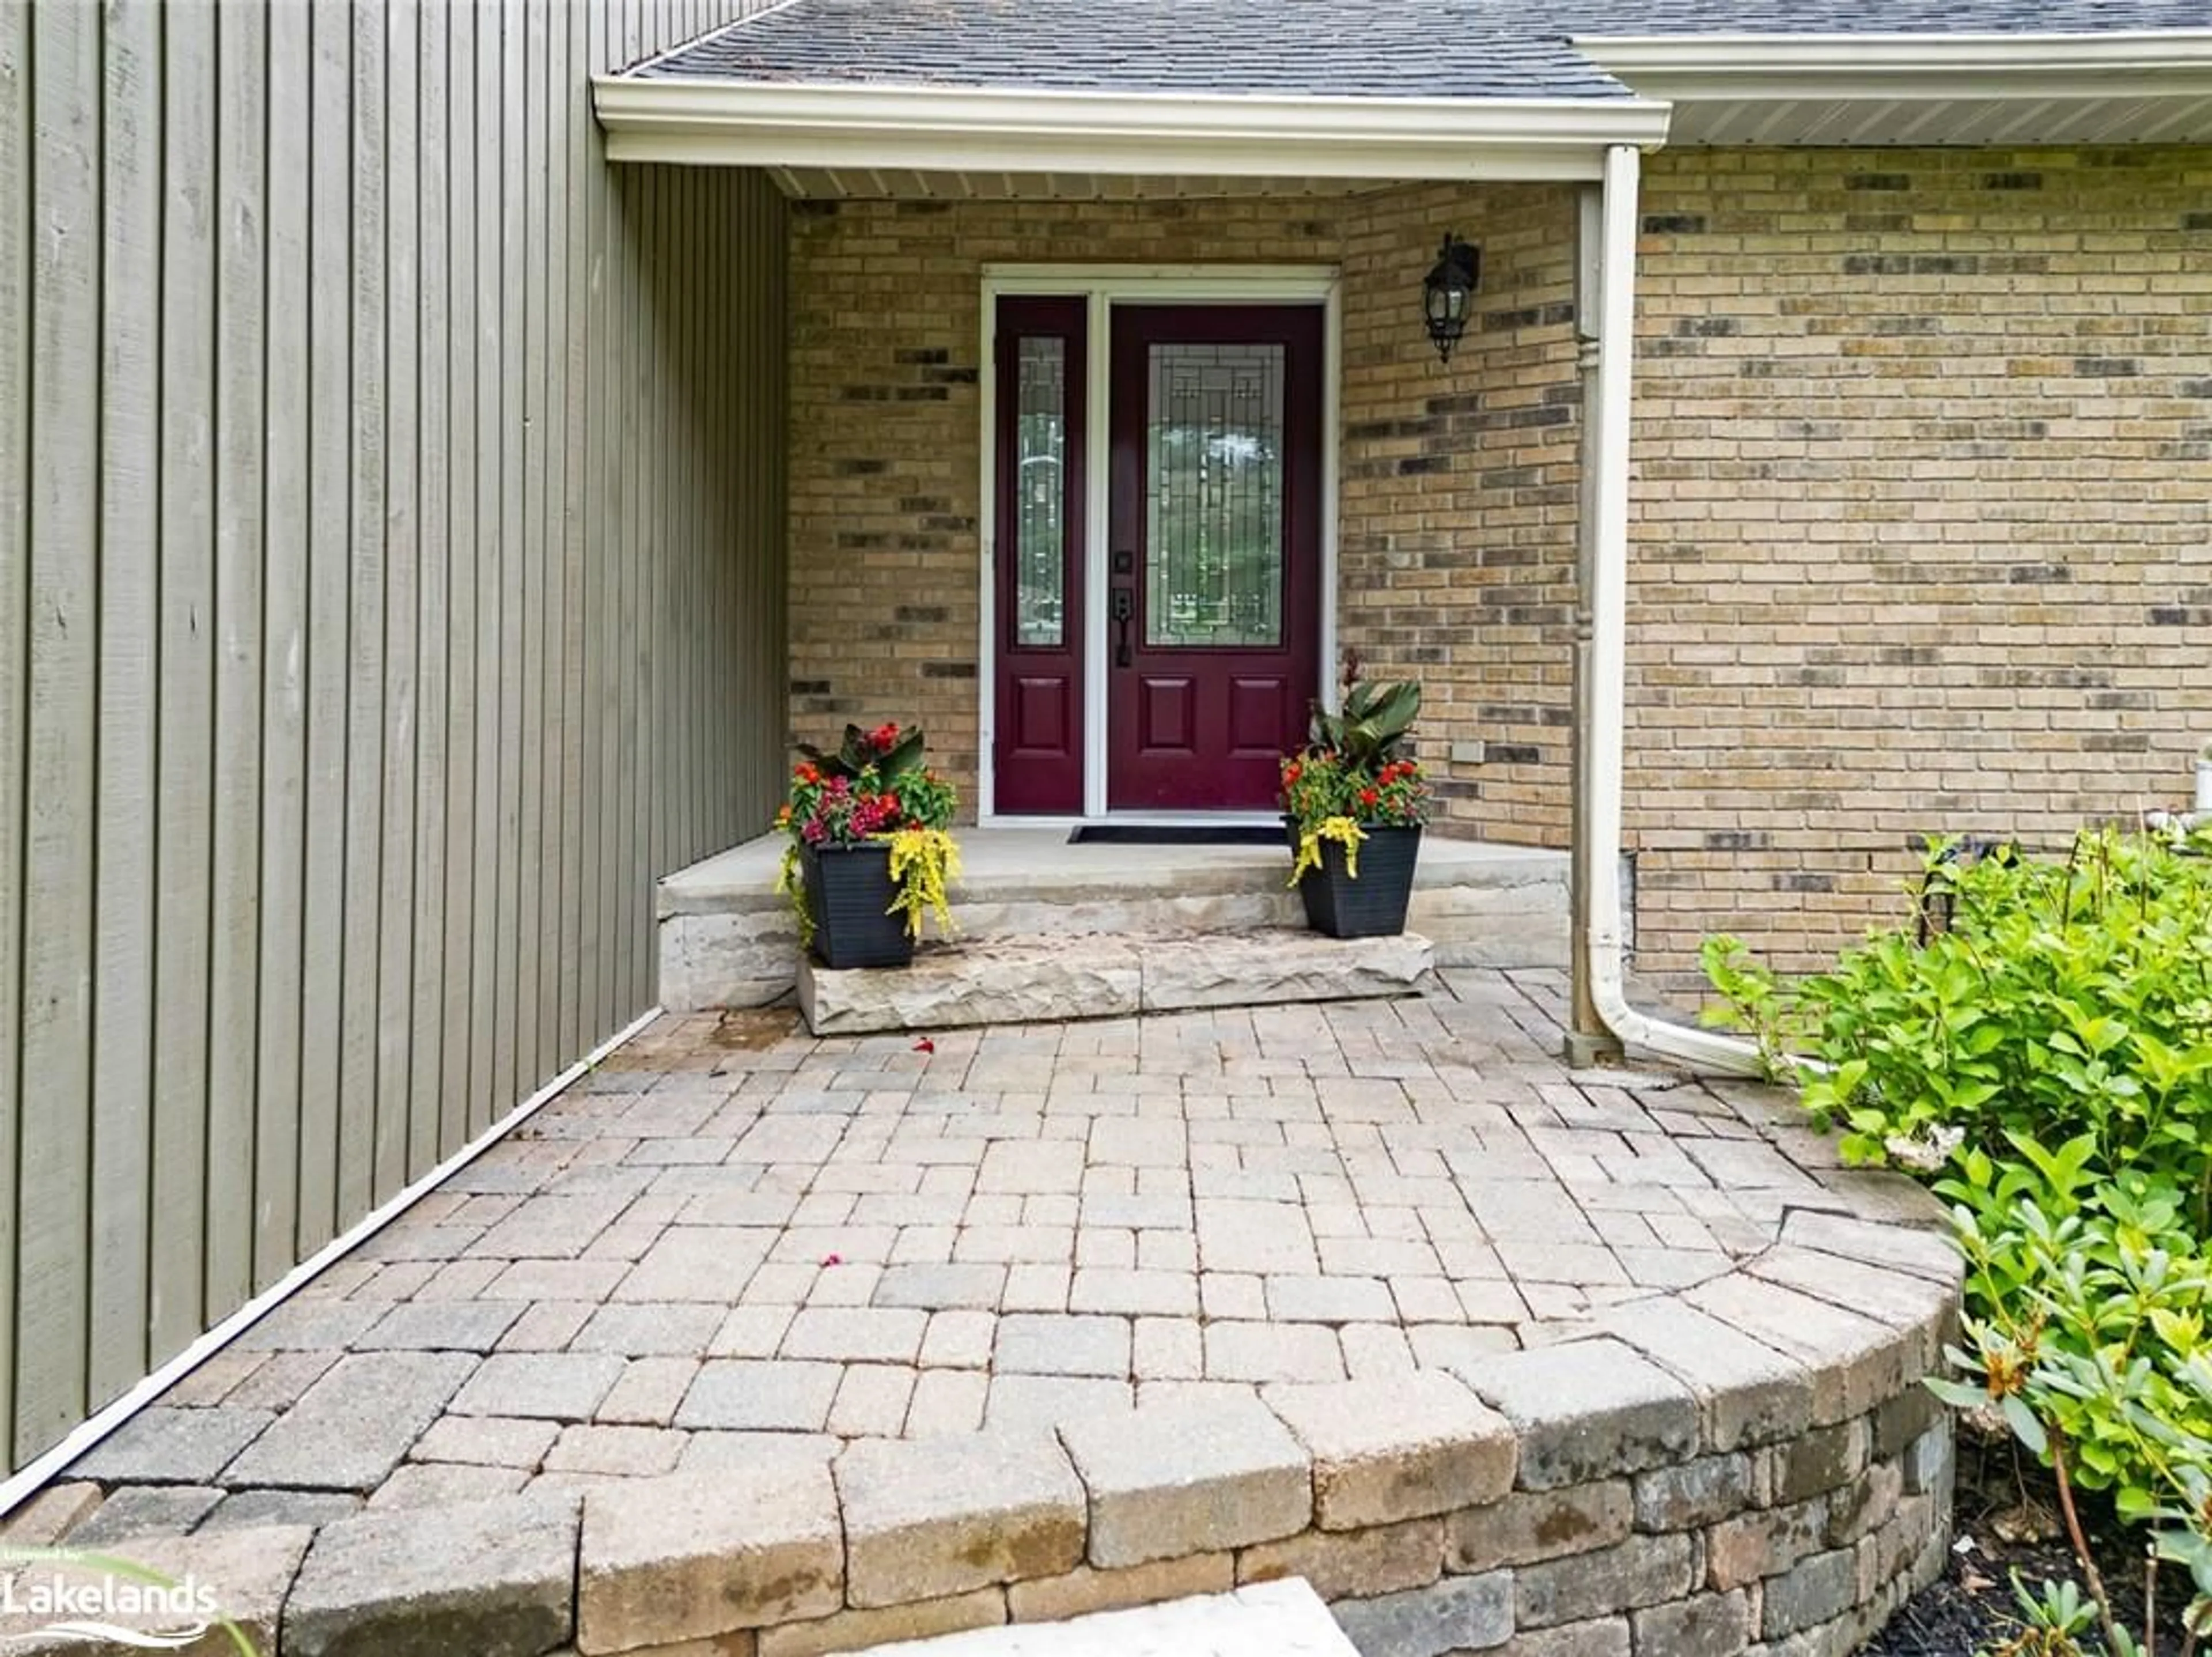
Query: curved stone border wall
(1748,1465)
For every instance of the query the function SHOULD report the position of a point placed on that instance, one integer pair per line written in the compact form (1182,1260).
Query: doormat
(1197,834)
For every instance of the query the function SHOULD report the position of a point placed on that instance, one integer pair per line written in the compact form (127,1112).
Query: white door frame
(1103,287)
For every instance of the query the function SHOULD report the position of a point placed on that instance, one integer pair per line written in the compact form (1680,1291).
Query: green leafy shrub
(2086,1334)
(2045,1063)
(2066,998)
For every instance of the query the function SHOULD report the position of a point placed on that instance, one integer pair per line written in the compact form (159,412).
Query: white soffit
(2152,86)
(905,184)
(849,131)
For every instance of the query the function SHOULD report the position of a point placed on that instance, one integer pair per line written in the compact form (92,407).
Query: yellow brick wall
(1924,520)
(1457,512)
(1923,505)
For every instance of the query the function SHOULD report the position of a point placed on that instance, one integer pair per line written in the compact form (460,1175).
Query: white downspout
(1604,738)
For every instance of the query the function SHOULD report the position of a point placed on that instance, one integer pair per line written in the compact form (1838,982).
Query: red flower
(1368,796)
(806,773)
(1292,772)
(884,737)
(925,1045)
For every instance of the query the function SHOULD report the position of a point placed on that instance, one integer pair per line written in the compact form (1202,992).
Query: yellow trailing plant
(1343,831)
(790,886)
(923,861)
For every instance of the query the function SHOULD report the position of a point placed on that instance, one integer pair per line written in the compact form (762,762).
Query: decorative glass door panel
(1041,511)
(1213,578)
(1214,490)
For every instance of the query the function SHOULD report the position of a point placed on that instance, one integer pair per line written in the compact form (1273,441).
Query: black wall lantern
(1447,293)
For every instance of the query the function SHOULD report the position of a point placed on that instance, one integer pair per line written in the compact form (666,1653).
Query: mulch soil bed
(2007,1522)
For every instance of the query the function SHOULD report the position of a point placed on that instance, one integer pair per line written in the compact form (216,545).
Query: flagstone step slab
(1269,1619)
(1028,980)
(727,939)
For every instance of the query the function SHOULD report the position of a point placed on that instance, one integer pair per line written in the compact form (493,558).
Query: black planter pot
(848,894)
(1374,905)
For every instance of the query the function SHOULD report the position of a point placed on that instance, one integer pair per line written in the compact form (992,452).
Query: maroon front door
(1214,595)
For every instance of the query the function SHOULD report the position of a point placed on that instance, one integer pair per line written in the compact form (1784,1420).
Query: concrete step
(1270,1619)
(1107,975)
(726,940)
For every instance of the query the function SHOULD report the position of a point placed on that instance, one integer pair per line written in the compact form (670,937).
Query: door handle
(1124,611)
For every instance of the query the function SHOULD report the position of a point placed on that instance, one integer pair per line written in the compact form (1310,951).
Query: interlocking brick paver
(584,1283)
(1015,1244)
(135,1510)
(1035,1288)
(761,1396)
(1046,1229)
(648,1391)
(312,1325)
(440,1326)
(349,1429)
(550,1226)
(936,1287)
(1034,1401)
(550,1385)
(871,1401)
(487,1440)
(1185,1478)
(946,1403)
(1328,1300)
(1026,1166)
(928,1521)
(959,1340)
(1243,1236)
(167,1446)
(1138,1143)
(1404,1448)
(856,1334)
(1130,1292)
(636,1452)
(649,1329)
(1273,1352)
(1044,1344)
(696,1556)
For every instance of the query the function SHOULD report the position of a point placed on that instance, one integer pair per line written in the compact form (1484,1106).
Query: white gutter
(704,120)
(2011,68)
(1604,743)
(27,1480)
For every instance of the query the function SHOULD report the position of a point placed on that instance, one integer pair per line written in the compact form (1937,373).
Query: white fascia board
(1692,68)
(702,121)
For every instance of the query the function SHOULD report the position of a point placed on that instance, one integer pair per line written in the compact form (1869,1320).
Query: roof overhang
(871,126)
(2122,87)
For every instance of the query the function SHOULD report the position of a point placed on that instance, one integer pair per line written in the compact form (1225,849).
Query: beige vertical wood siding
(391,588)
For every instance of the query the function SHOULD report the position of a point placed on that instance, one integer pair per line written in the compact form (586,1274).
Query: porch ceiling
(1916,89)
(1856,123)
(906,183)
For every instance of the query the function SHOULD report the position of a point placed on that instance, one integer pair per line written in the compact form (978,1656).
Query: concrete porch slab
(1039,980)
(727,940)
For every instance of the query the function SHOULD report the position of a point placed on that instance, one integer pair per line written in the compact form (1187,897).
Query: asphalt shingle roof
(1357,48)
